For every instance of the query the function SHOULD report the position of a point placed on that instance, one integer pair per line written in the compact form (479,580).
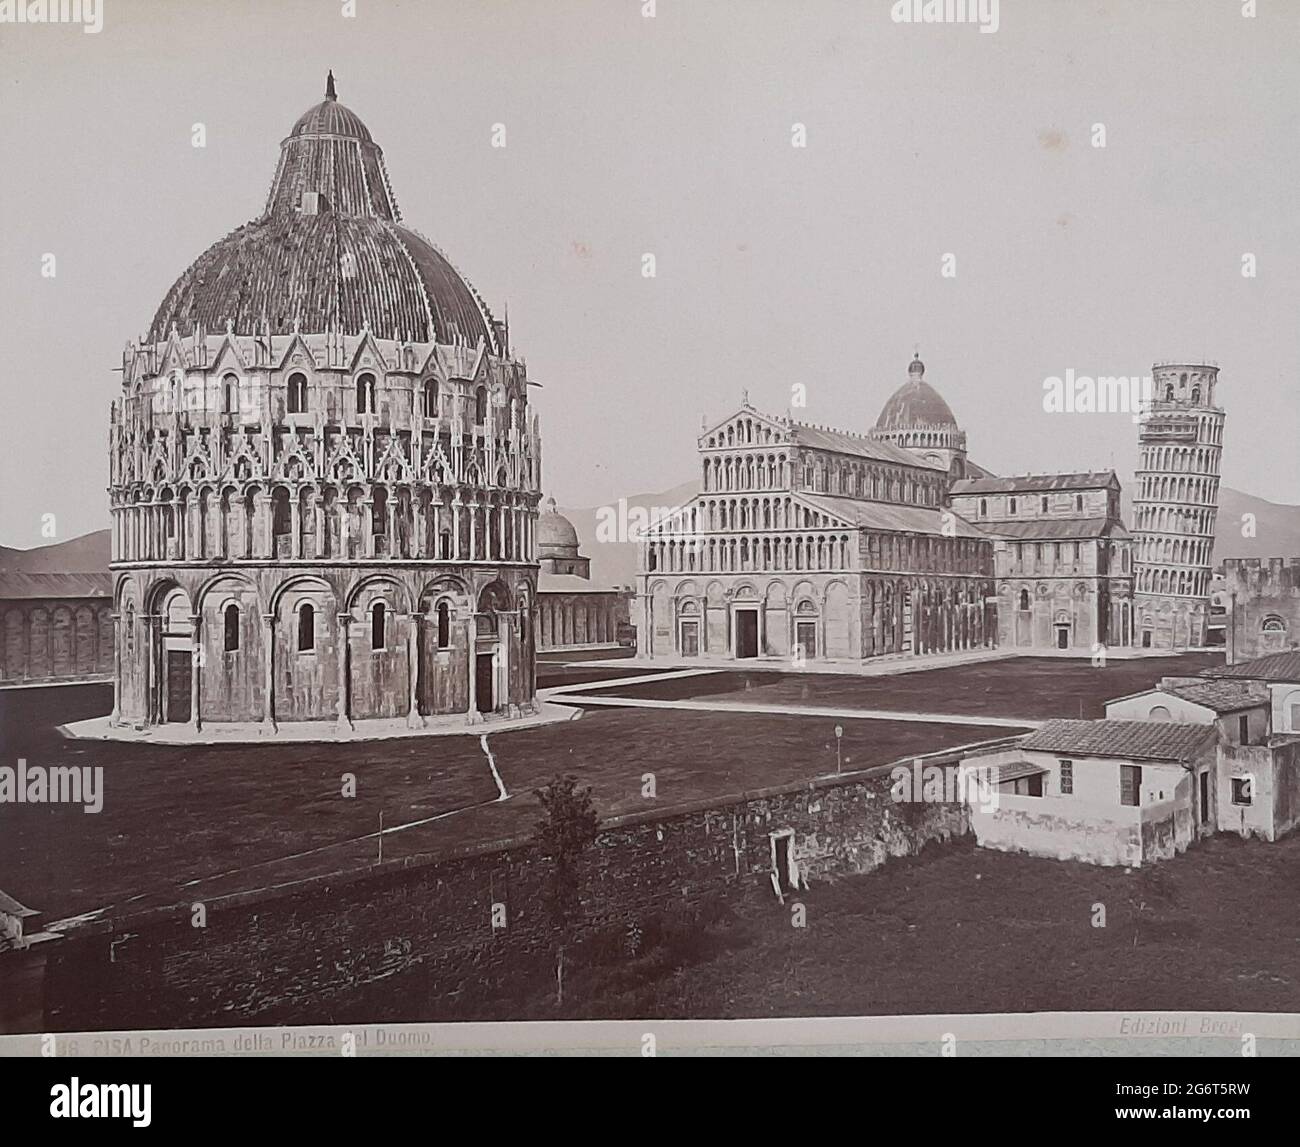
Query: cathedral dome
(915,403)
(556,537)
(329,253)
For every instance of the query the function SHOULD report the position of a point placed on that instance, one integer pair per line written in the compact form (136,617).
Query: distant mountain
(86,554)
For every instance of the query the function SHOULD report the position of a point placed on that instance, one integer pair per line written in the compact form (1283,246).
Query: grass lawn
(1036,688)
(234,817)
(959,929)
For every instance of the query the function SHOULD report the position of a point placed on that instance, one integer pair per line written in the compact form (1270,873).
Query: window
(306,627)
(1024,599)
(1044,504)
(231,623)
(1130,785)
(1243,790)
(230,394)
(365,394)
(1273,624)
(444,545)
(480,406)
(377,625)
(1011,506)
(431,398)
(444,625)
(984,507)
(297,393)
(1078,502)
(1067,778)
(1243,728)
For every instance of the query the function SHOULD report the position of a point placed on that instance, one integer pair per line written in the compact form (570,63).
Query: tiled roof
(890,517)
(1018,483)
(1270,667)
(1050,529)
(16,586)
(1221,696)
(349,264)
(841,442)
(1130,740)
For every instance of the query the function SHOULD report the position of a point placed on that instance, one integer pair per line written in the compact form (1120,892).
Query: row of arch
(1175,551)
(1189,583)
(742,432)
(1168,488)
(1194,520)
(45,641)
(325,521)
(1184,459)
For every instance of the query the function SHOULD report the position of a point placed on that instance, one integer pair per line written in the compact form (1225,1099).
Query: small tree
(567,827)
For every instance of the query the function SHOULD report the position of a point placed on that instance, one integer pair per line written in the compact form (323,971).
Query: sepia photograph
(650,527)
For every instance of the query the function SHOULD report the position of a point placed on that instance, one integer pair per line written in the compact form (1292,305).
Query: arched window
(431,398)
(231,625)
(1169,392)
(444,545)
(1024,599)
(306,627)
(377,625)
(230,394)
(297,393)
(1196,396)
(1273,624)
(480,406)
(444,625)
(365,394)
(1159,713)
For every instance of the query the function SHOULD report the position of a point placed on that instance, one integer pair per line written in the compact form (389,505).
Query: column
(762,628)
(342,506)
(413,718)
(489,511)
(392,524)
(368,525)
(196,670)
(318,523)
(471,645)
(295,524)
(455,528)
(268,672)
(344,725)
(119,640)
(473,530)
(419,524)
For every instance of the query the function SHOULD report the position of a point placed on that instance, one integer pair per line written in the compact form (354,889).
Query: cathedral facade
(808,543)
(324,471)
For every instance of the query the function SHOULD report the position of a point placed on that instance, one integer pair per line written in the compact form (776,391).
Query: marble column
(268,672)
(344,724)
(413,718)
(472,716)
(196,670)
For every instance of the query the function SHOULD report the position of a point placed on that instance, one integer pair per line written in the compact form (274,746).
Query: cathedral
(325,472)
(811,543)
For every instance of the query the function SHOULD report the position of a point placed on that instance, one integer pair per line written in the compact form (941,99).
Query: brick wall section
(283,956)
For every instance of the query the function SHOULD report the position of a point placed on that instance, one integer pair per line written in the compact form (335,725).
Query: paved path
(575,698)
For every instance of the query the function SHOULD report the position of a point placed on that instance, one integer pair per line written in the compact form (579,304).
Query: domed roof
(556,536)
(329,253)
(915,403)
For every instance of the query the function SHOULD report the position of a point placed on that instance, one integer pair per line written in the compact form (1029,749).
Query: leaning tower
(1174,508)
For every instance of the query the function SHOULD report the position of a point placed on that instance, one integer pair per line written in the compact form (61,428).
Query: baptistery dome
(329,253)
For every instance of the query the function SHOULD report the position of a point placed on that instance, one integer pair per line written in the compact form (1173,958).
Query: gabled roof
(1222,696)
(891,517)
(1055,529)
(1036,483)
(16,586)
(859,445)
(1271,667)
(1124,740)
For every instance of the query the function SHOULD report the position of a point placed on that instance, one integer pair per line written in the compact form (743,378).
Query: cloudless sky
(672,135)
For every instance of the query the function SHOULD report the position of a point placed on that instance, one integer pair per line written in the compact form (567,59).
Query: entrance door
(746,633)
(1205,797)
(805,636)
(781,861)
(1146,639)
(690,638)
(1062,637)
(483,681)
(177,701)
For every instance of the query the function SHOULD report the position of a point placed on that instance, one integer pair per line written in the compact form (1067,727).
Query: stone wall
(1265,612)
(294,953)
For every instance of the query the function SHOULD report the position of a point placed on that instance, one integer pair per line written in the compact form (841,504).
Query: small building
(572,613)
(1239,710)
(55,628)
(1104,792)
(1279,673)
